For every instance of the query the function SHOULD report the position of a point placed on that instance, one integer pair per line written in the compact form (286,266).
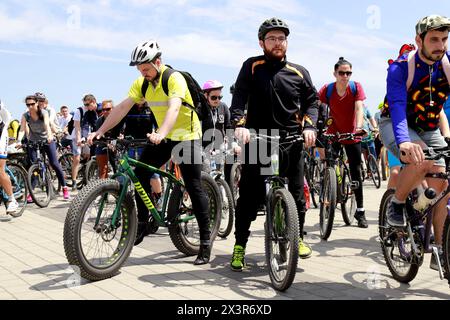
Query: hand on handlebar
(411,153)
(243,135)
(155,137)
(309,137)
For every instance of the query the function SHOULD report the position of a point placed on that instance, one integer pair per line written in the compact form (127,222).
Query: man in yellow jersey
(179,129)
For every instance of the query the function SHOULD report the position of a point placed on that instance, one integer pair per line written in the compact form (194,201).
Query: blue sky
(69,48)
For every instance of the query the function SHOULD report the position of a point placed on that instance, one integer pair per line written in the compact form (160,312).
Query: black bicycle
(336,185)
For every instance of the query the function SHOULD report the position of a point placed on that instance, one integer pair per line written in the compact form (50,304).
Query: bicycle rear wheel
(281,238)
(396,245)
(19,184)
(327,203)
(91,242)
(373,168)
(40,185)
(185,235)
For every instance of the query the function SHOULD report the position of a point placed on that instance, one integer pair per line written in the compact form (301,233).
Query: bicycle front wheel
(91,171)
(327,203)
(281,238)
(373,167)
(40,185)
(93,243)
(396,245)
(348,199)
(19,184)
(446,248)
(227,213)
(235,177)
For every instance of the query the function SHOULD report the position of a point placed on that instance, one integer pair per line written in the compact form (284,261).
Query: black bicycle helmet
(272,24)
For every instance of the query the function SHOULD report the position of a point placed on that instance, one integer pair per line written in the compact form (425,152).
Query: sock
(360,210)
(396,201)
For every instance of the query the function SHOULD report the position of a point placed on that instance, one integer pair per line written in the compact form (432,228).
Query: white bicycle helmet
(145,52)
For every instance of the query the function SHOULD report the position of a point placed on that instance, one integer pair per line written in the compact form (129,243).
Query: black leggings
(252,191)
(353,152)
(190,166)
(50,150)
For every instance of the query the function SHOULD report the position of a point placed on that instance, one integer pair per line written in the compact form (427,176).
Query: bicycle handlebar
(344,136)
(287,139)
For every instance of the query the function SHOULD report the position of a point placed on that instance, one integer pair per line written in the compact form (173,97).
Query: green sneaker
(238,261)
(304,250)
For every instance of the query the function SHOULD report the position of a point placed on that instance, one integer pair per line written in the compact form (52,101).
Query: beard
(277,53)
(433,56)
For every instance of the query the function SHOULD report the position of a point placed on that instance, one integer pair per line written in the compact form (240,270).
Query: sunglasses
(106,109)
(30,104)
(214,98)
(342,73)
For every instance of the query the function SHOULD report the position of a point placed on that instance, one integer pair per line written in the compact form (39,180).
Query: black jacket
(217,119)
(277,95)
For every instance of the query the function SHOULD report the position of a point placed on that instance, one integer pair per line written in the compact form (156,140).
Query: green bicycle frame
(126,172)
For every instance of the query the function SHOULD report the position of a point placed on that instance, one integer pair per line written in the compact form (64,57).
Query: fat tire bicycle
(99,243)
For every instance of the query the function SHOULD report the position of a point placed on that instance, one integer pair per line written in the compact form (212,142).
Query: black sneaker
(396,215)
(361,218)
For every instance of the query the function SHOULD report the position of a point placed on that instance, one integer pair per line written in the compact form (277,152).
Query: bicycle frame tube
(128,173)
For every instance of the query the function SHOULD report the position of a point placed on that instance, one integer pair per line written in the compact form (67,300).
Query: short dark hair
(442,29)
(63,107)
(341,62)
(89,97)
(31,97)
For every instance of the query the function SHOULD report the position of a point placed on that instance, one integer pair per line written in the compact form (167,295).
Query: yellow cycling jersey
(187,126)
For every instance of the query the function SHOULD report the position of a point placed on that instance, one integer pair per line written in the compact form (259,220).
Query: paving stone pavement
(349,265)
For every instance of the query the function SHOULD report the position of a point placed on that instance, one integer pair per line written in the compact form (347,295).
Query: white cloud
(20,53)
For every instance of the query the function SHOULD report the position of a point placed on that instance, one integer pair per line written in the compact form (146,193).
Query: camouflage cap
(431,22)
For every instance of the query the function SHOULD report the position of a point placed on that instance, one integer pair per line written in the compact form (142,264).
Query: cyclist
(265,87)
(63,121)
(102,156)
(5,181)
(216,122)
(346,109)
(36,124)
(141,116)
(179,128)
(413,119)
(84,120)
(53,118)
(370,126)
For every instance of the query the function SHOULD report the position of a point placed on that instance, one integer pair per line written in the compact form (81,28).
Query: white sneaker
(4,217)
(12,206)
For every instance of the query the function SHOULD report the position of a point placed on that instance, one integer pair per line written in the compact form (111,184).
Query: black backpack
(198,98)
(70,125)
